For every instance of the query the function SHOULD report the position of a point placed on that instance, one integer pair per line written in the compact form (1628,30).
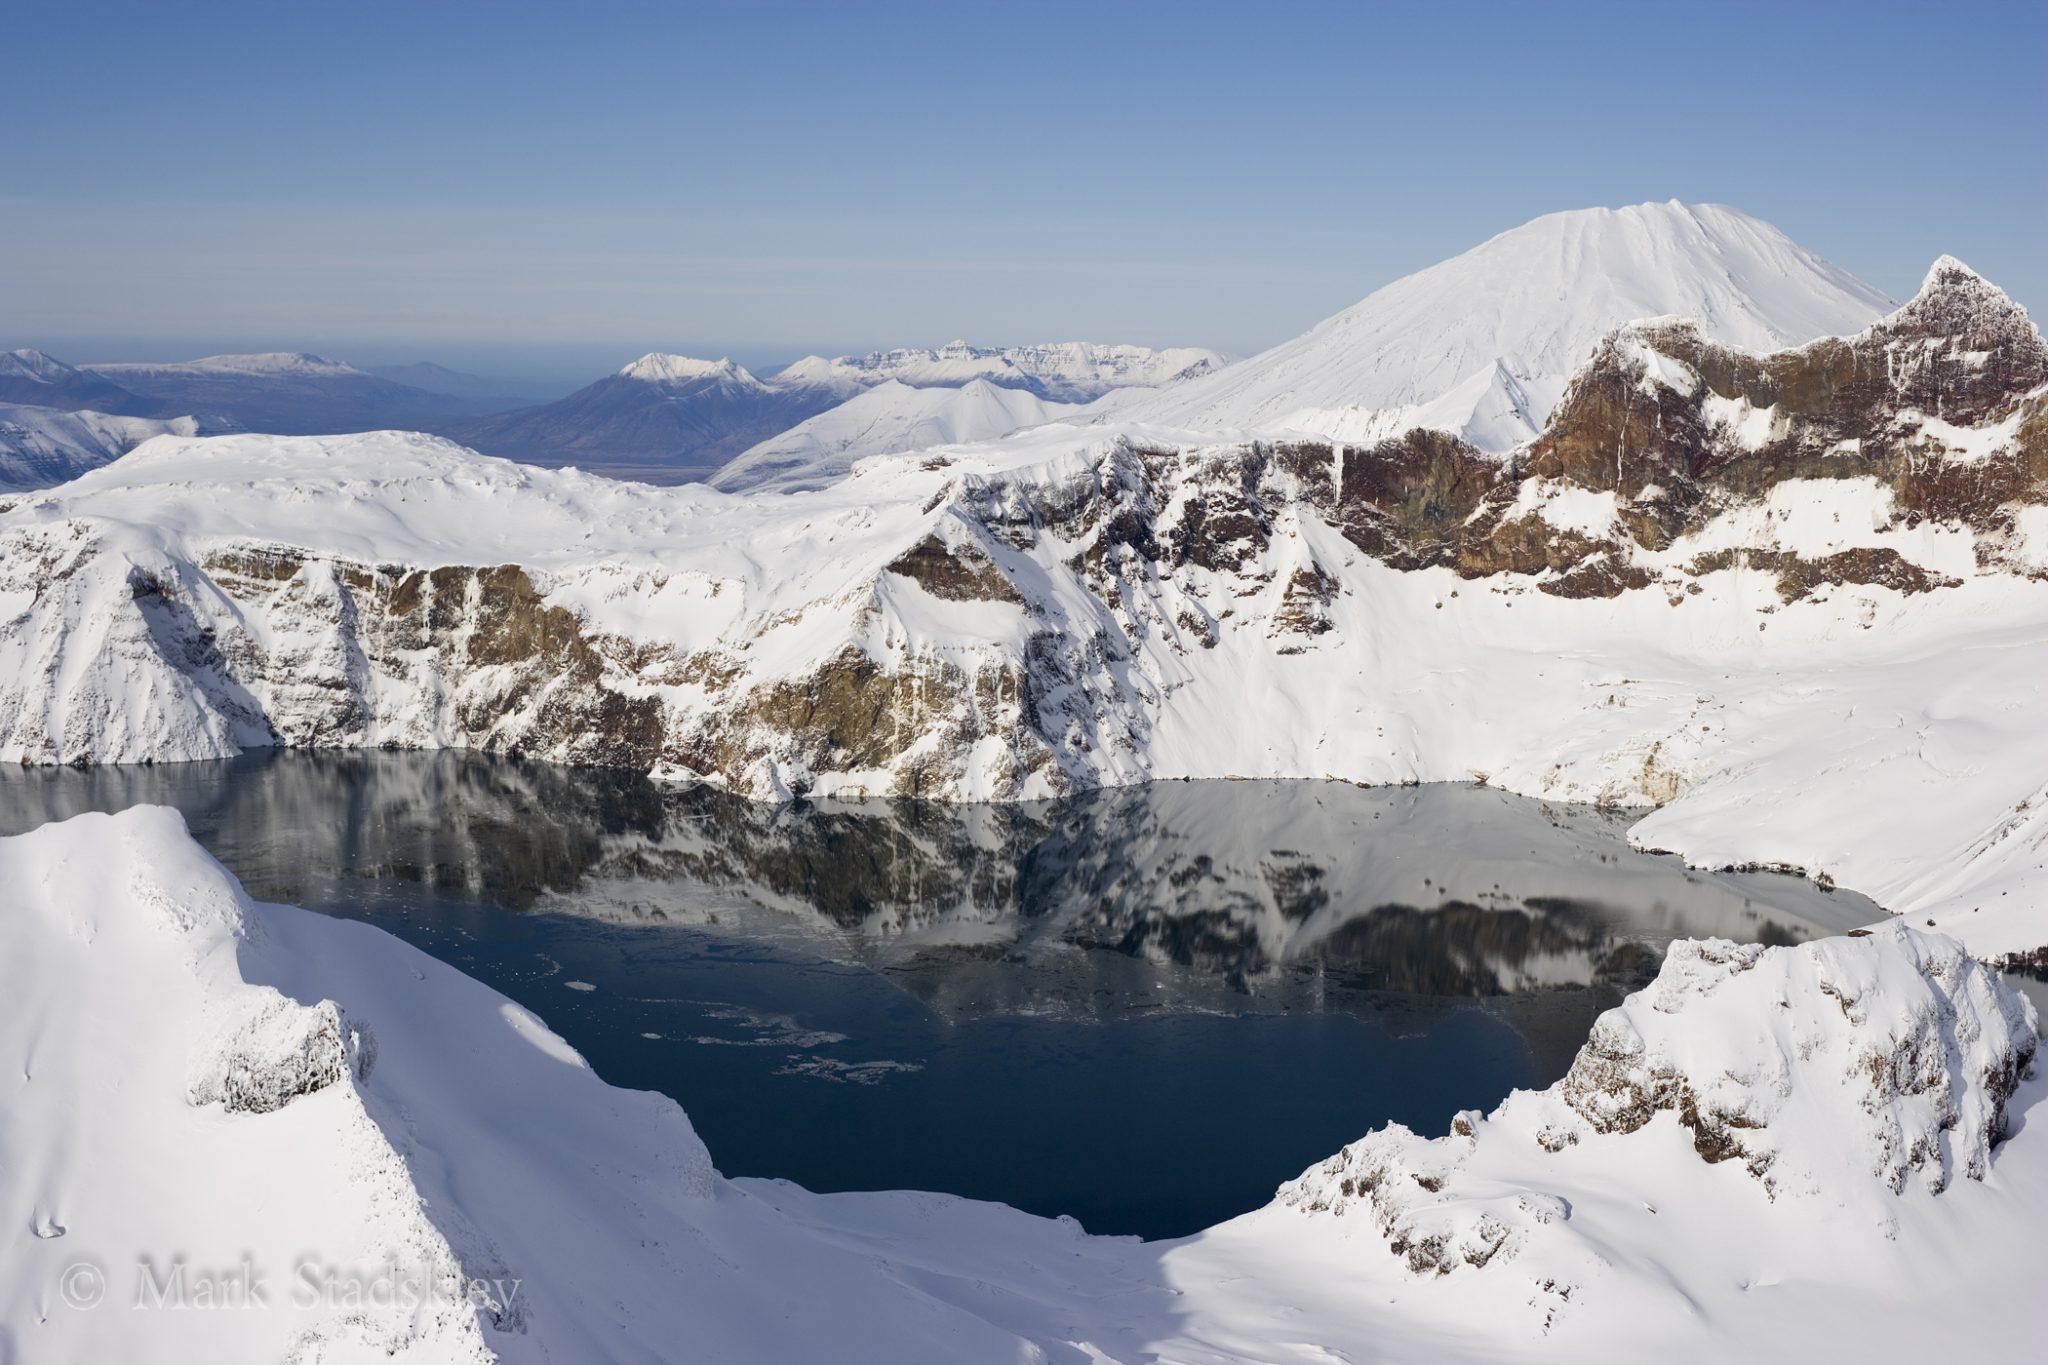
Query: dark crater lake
(1143,1007)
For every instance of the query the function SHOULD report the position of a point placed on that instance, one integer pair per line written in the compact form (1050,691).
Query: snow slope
(40,446)
(1483,343)
(266,1091)
(890,418)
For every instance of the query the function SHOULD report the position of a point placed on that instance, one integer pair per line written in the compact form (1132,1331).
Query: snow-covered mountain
(1716,579)
(288,392)
(42,447)
(1066,371)
(37,379)
(890,417)
(669,417)
(1482,344)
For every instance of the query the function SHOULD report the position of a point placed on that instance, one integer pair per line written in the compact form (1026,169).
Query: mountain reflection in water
(1024,1002)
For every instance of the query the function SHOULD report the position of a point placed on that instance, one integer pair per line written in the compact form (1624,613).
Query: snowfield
(1769,1152)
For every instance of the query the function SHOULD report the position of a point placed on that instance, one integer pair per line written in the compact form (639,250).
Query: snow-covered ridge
(1480,344)
(249,1085)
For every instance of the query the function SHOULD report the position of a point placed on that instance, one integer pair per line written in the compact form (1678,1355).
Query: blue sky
(551,190)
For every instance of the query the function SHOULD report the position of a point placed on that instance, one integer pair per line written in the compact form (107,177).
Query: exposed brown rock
(958,573)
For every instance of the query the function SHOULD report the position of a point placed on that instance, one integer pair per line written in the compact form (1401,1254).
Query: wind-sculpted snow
(1813,578)
(197,1081)
(1832,1074)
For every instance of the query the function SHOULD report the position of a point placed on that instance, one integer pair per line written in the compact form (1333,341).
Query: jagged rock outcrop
(1834,1072)
(277,1052)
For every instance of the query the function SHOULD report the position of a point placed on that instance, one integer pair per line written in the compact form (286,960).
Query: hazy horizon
(503,193)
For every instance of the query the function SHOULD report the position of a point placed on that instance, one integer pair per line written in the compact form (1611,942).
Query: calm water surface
(1144,1008)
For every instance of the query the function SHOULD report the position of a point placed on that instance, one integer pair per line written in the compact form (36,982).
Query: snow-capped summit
(659,368)
(1956,302)
(1482,344)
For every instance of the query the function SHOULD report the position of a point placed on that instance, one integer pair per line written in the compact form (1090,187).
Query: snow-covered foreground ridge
(1808,584)
(1767,1149)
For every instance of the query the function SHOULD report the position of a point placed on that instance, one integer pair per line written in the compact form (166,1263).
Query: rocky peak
(1956,302)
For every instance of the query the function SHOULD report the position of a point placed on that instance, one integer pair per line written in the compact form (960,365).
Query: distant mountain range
(664,417)
(285,392)
(41,380)
(673,418)
(1063,372)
